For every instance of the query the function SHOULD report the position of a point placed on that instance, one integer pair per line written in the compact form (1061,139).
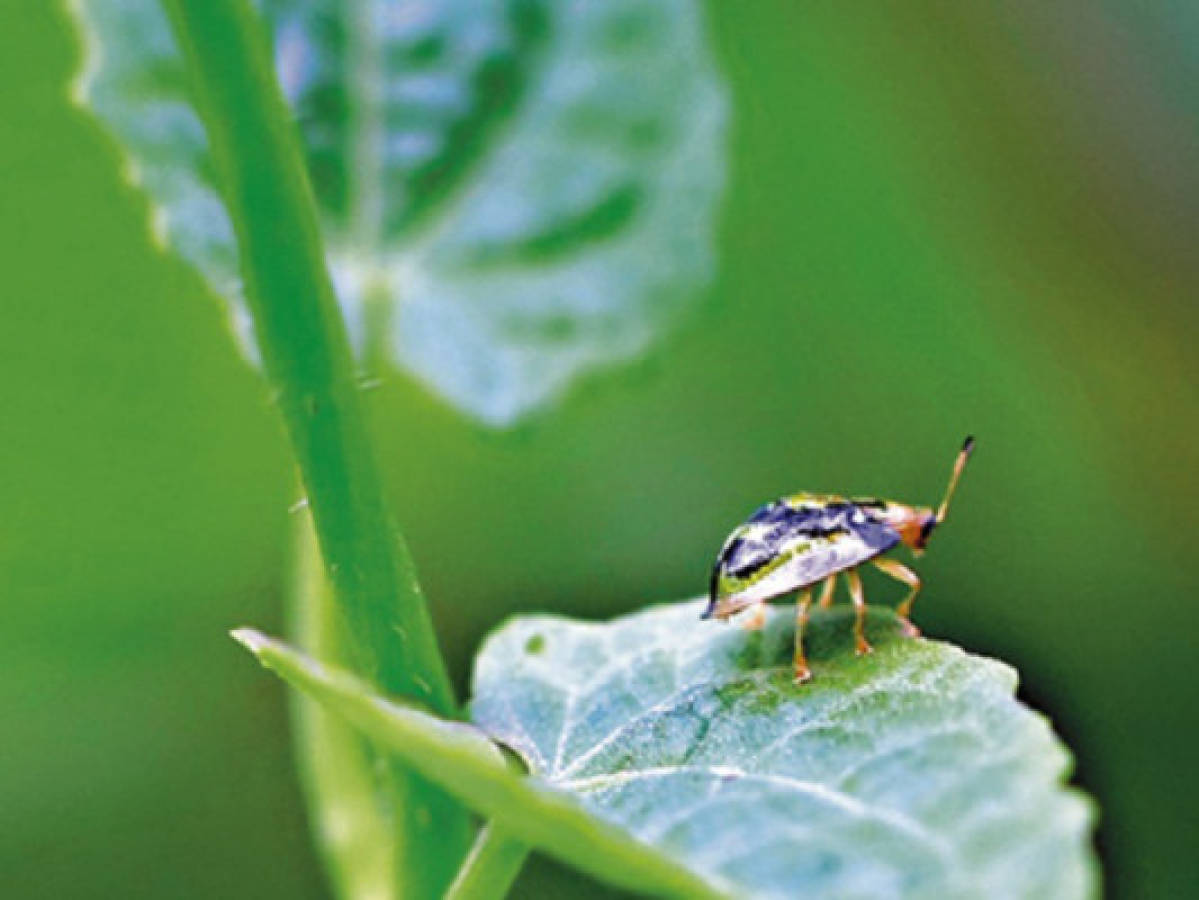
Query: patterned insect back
(793,542)
(797,541)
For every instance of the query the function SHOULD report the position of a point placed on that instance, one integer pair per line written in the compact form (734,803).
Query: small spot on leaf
(535,644)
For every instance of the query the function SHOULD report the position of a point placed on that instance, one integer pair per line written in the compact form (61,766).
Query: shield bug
(795,542)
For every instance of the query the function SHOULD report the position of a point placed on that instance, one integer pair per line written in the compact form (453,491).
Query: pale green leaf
(912,772)
(462,760)
(514,193)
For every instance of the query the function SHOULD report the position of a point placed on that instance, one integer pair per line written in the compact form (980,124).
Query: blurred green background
(941,219)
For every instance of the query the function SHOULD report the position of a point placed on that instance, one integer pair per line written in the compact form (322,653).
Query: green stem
(304,346)
(388,635)
(493,864)
(337,765)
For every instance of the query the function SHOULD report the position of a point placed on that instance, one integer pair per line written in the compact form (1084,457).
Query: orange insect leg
(902,573)
(826,595)
(802,672)
(755,619)
(859,606)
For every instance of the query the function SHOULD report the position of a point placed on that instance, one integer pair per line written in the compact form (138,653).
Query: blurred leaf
(514,193)
(911,772)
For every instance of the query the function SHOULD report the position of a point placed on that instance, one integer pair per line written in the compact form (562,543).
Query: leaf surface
(912,772)
(513,193)
(461,759)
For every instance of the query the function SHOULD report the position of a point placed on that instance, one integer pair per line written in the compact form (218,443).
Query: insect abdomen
(791,544)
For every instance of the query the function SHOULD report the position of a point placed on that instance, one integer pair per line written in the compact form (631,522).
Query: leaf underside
(513,193)
(912,772)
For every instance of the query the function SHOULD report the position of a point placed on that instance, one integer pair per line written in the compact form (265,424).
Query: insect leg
(826,594)
(859,606)
(755,619)
(902,573)
(802,672)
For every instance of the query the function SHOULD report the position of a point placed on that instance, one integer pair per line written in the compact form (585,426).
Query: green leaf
(461,759)
(912,772)
(514,193)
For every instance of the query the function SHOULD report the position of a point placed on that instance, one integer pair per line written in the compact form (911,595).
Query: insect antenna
(958,466)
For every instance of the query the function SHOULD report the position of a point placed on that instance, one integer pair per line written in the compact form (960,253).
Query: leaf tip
(252,639)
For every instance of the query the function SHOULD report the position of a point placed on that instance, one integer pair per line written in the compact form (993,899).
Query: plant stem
(305,348)
(388,635)
(493,864)
(338,766)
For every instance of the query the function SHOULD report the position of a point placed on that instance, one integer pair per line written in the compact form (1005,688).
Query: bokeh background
(940,219)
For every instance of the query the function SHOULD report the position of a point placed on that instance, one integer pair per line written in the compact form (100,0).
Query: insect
(795,542)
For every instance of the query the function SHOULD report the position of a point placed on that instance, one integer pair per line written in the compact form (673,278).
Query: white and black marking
(818,539)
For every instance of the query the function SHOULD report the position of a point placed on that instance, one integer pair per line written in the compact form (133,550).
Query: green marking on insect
(730,584)
(800,540)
